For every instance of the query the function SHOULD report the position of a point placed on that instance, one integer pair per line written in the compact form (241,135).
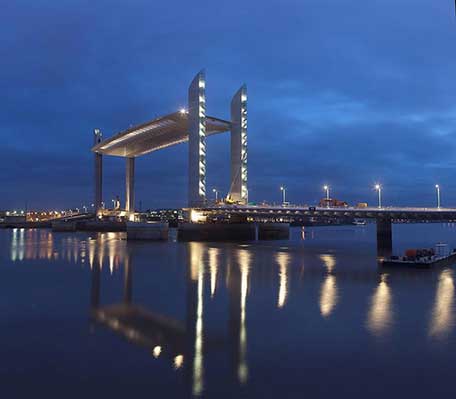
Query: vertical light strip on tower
(238,190)
(244,191)
(197,140)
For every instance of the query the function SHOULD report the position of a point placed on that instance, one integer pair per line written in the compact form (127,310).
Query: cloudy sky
(343,92)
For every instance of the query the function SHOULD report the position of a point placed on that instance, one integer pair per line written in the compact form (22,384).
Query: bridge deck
(434,214)
(159,133)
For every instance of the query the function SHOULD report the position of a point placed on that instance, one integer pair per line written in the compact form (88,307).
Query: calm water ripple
(90,315)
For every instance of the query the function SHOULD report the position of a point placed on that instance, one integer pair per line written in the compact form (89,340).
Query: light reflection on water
(328,296)
(380,316)
(442,314)
(282,259)
(231,291)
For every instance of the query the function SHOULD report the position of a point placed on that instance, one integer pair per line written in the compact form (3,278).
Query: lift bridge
(193,125)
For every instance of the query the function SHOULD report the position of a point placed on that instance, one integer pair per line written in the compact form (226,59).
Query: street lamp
(437,187)
(326,188)
(284,191)
(214,190)
(378,187)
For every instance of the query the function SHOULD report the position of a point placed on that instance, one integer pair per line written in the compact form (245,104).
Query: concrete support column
(238,187)
(130,185)
(98,172)
(384,237)
(197,141)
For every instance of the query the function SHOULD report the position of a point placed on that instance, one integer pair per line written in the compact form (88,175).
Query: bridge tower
(98,172)
(197,141)
(130,186)
(238,188)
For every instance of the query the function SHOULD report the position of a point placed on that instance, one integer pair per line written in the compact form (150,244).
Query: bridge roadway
(386,213)
(384,217)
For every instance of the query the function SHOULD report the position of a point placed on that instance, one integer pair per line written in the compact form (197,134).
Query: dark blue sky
(345,92)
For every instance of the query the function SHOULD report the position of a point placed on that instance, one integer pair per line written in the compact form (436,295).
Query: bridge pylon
(98,172)
(238,187)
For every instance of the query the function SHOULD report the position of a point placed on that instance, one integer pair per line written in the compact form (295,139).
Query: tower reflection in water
(185,343)
(238,286)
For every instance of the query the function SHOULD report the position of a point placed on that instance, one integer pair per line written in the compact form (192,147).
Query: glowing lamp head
(282,188)
(183,111)
(178,361)
(378,187)
(157,351)
(325,188)
(437,186)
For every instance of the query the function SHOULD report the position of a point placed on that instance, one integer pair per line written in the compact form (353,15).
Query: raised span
(159,133)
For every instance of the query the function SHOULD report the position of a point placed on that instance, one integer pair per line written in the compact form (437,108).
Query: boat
(359,222)
(423,258)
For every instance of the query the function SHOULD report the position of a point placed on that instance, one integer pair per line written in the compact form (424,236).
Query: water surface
(90,315)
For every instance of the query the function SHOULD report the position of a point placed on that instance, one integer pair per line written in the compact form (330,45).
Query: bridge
(193,125)
(384,217)
(190,125)
(391,213)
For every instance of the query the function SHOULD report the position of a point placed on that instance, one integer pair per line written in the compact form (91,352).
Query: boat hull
(443,261)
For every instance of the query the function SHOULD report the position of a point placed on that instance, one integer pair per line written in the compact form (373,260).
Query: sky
(340,92)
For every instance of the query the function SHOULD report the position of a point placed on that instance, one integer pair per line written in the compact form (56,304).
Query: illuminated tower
(238,190)
(98,172)
(197,141)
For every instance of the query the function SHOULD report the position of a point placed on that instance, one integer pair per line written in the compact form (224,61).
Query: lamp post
(437,188)
(284,191)
(326,188)
(378,187)
(214,190)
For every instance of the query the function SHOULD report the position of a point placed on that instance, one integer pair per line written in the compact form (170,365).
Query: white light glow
(157,351)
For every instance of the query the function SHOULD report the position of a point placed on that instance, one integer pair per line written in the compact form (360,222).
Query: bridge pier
(384,237)
(273,231)
(216,232)
(98,172)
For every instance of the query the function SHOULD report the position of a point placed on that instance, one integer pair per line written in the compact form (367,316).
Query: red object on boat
(411,253)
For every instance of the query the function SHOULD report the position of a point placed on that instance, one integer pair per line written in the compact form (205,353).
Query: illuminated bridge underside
(159,133)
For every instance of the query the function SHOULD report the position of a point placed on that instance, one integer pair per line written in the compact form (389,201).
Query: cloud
(343,92)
